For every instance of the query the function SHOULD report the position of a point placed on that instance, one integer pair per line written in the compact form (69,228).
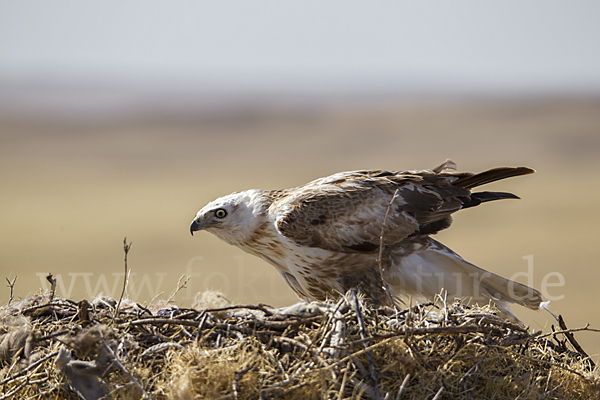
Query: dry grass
(74,350)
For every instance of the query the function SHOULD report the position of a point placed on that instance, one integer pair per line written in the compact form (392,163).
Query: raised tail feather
(481,197)
(491,175)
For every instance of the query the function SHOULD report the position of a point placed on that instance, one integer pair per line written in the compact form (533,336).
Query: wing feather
(341,221)
(345,211)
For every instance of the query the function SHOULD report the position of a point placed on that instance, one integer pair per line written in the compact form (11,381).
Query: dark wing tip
(524,171)
(470,181)
(477,198)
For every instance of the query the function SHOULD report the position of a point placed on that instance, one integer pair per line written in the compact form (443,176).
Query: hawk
(368,230)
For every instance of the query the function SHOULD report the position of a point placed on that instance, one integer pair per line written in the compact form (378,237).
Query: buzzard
(370,231)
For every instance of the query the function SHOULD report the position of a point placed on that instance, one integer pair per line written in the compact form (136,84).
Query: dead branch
(572,340)
(179,287)
(126,248)
(52,281)
(11,285)
(363,335)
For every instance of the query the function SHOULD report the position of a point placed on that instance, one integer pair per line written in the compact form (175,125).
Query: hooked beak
(195,226)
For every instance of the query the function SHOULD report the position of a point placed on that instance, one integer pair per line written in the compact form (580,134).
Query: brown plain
(72,189)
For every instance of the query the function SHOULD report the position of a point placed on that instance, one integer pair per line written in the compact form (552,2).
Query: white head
(232,218)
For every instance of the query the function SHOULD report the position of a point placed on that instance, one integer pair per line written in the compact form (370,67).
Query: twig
(488,319)
(344,379)
(513,340)
(249,307)
(547,383)
(584,328)
(15,390)
(335,336)
(287,381)
(238,376)
(305,348)
(160,347)
(179,287)
(55,334)
(553,390)
(279,325)
(331,316)
(32,366)
(438,395)
(380,256)
(474,367)
(126,248)
(445,301)
(572,340)
(200,326)
(52,281)
(336,340)
(11,285)
(159,321)
(363,335)
(518,354)
(402,386)
(434,330)
(362,389)
(49,305)
(145,309)
(26,382)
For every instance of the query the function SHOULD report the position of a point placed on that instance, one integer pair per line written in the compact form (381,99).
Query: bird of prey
(370,231)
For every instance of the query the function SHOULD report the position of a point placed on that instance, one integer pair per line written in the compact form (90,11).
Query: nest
(59,349)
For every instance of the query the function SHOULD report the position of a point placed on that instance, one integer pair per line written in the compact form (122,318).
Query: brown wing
(345,212)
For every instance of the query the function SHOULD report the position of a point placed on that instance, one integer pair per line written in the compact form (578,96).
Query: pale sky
(495,45)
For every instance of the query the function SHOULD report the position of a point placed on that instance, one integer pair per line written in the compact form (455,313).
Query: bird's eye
(220,213)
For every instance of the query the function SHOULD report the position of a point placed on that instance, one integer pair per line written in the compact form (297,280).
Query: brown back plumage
(345,212)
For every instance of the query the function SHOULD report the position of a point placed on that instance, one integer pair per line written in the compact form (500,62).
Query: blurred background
(124,118)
